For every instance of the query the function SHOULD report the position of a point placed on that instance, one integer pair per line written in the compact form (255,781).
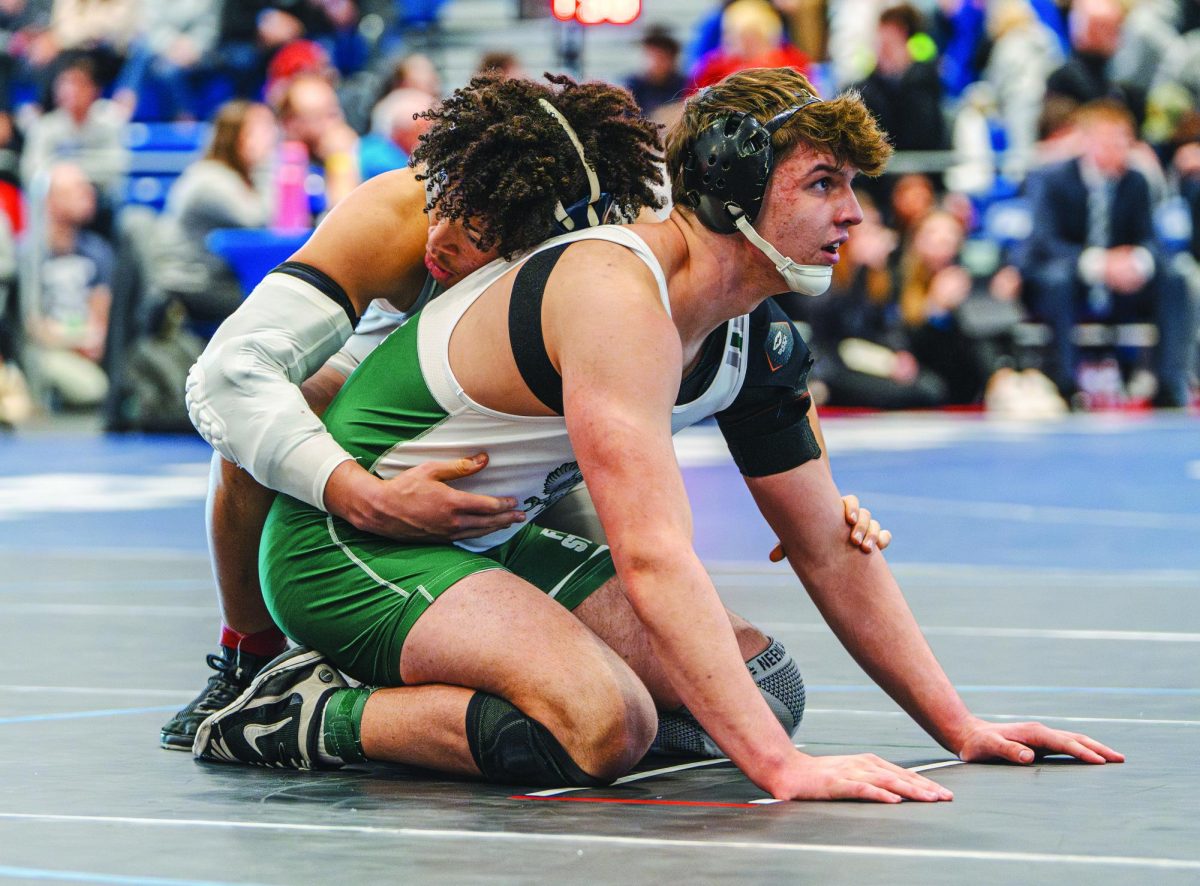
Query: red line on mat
(633,802)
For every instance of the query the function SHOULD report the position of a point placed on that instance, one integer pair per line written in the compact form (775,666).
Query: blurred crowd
(1034,248)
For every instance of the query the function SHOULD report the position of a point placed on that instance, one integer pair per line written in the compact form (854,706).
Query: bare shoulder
(373,242)
(606,268)
(603,299)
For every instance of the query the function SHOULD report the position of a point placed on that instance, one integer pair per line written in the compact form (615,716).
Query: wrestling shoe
(277,720)
(234,672)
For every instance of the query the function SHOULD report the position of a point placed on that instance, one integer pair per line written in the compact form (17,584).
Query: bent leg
(496,633)
(609,614)
(436,617)
(235,512)
(237,509)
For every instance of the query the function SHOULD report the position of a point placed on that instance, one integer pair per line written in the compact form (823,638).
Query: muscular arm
(859,598)
(373,242)
(620,359)
(244,395)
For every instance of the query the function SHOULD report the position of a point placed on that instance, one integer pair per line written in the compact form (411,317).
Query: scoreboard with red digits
(594,12)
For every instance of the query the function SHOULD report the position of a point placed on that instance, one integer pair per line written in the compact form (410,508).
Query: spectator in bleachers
(102,29)
(960,328)
(959,28)
(659,82)
(852,25)
(1186,164)
(1094,256)
(83,128)
(1175,89)
(414,71)
(1058,138)
(501,63)
(903,93)
(175,41)
(710,29)
(16,406)
(310,115)
(1023,53)
(252,31)
(297,57)
(752,36)
(347,47)
(395,131)
(911,199)
(863,353)
(67,310)
(1095,29)
(224,189)
(10,150)
(1149,34)
(26,48)
(976,136)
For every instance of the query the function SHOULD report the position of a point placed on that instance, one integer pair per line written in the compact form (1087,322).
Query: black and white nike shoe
(277,720)
(234,672)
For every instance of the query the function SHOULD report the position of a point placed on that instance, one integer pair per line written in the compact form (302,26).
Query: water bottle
(291,200)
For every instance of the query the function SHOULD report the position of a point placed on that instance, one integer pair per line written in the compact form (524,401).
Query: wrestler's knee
(509,746)
(751,641)
(606,724)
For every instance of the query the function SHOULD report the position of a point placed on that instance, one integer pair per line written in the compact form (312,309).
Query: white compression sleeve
(243,393)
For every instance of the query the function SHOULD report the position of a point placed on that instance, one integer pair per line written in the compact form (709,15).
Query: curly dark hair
(501,162)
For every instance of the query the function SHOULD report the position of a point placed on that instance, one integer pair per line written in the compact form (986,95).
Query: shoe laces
(226,684)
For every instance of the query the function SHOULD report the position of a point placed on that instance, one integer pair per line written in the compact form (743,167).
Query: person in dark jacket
(1093,254)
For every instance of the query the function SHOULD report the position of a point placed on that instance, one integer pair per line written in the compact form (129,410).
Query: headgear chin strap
(725,178)
(804,279)
(587,212)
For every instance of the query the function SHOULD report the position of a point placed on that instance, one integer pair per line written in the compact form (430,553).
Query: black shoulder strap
(323,282)
(525,328)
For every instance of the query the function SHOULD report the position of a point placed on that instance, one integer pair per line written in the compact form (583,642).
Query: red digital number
(594,12)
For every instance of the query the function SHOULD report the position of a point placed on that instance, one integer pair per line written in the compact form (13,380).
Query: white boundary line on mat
(446,834)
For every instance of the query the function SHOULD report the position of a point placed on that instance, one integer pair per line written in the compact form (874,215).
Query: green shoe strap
(343,724)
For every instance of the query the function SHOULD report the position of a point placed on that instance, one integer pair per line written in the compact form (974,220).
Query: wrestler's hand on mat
(418,505)
(865,533)
(1025,742)
(858,777)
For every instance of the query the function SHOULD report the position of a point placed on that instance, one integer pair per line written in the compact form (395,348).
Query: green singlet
(354,595)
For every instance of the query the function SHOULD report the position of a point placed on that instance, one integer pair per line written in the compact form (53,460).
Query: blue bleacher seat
(253,252)
(148,190)
(179,137)
(158,154)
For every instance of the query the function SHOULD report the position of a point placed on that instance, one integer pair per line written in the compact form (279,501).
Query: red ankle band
(268,643)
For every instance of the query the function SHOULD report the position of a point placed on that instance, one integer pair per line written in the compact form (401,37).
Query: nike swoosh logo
(255,733)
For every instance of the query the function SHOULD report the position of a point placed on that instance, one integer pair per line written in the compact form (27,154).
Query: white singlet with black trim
(403,406)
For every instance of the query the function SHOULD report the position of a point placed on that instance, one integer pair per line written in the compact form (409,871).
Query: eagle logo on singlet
(558,483)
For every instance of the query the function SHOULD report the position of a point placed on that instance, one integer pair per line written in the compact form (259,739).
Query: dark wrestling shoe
(275,722)
(234,671)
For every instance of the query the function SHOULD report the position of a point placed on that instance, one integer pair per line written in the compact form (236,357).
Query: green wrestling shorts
(355,596)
